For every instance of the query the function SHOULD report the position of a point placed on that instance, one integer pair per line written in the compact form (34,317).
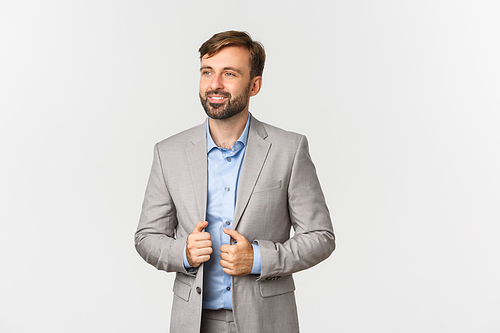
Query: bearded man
(221,200)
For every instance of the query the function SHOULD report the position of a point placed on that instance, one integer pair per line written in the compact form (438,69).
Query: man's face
(225,83)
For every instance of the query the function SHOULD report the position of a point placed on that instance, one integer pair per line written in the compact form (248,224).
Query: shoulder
(278,135)
(183,139)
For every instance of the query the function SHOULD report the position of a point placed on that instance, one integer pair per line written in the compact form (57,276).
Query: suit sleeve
(155,238)
(313,240)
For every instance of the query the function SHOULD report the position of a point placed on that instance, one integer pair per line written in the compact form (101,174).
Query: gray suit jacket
(278,190)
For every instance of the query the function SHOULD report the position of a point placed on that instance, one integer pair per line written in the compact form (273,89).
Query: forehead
(229,56)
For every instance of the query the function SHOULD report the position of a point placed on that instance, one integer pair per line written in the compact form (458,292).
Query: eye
(230,74)
(205,73)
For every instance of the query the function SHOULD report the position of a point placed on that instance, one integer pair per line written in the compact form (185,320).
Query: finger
(225,265)
(201,252)
(204,258)
(224,248)
(196,259)
(200,226)
(199,244)
(229,271)
(200,260)
(201,236)
(198,256)
(235,234)
(225,257)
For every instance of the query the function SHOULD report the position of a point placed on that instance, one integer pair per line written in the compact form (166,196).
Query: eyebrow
(225,68)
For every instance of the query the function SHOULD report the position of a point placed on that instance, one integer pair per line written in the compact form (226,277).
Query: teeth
(217,97)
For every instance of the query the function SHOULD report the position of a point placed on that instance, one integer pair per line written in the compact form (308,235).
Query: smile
(217,99)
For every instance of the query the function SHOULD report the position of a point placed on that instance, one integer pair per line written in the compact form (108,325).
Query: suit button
(198,290)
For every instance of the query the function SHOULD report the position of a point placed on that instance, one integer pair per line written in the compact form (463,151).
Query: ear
(255,85)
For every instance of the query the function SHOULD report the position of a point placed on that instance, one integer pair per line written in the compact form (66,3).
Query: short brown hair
(238,38)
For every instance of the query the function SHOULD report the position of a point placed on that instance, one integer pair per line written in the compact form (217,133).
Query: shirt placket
(228,199)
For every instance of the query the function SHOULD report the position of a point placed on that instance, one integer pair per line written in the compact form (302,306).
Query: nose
(216,83)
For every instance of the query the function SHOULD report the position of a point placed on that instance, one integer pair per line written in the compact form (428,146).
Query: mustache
(218,92)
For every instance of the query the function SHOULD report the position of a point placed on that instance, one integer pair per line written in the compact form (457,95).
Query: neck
(225,132)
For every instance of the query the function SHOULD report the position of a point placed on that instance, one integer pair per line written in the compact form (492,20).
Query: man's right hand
(199,245)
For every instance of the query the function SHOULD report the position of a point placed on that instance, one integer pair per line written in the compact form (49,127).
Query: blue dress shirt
(223,167)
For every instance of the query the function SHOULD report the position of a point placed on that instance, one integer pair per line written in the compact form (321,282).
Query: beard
(231,107)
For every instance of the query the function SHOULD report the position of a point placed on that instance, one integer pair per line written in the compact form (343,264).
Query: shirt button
(227,189)
(228,159)
(228,223)
(228,288)
(198,290)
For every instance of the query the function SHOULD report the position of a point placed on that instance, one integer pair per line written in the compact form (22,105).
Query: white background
(400,102)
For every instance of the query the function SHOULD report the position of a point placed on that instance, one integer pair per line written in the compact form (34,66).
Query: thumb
(200,226)
(234,234)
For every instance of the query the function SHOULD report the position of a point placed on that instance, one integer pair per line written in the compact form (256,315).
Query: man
(221,200)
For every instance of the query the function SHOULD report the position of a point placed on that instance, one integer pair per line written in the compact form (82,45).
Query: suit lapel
(197,160)
(255,156)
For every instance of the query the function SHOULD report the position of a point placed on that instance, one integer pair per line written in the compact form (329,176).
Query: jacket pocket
(182,288)
(276,287)
(267,186)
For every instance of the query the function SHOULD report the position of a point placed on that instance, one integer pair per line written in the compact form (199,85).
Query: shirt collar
(241,142)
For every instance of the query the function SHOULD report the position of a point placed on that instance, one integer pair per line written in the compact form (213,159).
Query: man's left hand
(236,259)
